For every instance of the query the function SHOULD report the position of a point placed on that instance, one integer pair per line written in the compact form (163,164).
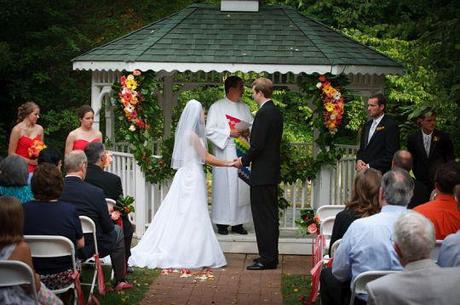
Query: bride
(181,234)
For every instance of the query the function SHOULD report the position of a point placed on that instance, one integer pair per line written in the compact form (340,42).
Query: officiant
(231,202)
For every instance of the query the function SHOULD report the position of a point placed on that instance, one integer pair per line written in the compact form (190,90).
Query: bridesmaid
(25,132)
(80,137)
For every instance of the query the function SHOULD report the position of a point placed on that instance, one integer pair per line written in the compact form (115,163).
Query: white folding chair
(329,210)
(334,247)
(325,229)
(49,246)
(358,285)
(89,227)
(436,249)
(13,273)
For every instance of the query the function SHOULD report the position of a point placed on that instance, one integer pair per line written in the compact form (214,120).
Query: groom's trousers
(264,207)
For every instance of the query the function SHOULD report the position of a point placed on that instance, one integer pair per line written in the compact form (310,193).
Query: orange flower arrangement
(36,147)
(333,104)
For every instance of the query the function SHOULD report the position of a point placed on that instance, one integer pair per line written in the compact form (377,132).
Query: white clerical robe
(231,201)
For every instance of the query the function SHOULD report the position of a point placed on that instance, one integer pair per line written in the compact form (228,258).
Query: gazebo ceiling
(203,38)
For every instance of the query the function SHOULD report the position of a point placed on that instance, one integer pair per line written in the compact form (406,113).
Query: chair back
(14,273)
(334,247)
(89,227)
(329,210)
(358,285)
(49,246)
(326,226)
(436,249)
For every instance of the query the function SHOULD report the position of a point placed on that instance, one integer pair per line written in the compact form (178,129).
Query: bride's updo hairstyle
(25,109)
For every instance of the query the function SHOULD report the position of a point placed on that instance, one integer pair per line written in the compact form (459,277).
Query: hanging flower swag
(141,121)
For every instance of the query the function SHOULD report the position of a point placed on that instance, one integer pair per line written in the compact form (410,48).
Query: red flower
(322,78)
(123,81)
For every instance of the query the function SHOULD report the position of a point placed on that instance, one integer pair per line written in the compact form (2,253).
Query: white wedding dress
(181,234)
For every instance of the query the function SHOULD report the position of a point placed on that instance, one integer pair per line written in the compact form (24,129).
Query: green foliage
(295,289)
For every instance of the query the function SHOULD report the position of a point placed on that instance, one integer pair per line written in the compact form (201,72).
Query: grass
(293,287)
(141,279)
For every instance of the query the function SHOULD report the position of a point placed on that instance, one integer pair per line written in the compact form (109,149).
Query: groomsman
(379,137)
(264,157)
(429,147)
(230,202)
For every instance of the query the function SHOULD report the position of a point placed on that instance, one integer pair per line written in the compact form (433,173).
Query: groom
(264,157)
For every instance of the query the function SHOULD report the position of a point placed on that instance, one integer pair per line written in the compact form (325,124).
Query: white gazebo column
(101,86)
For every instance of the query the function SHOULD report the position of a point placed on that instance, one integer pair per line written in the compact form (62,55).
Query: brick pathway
(232,285)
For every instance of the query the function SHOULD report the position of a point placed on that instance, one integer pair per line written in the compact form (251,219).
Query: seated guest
(367,244)
(47,215)
(443,211)
(403,159)
(364,202)
(13,178)
(421,281)
(50,155)
(109,183)
(449,254)
(90,201)
(13,247)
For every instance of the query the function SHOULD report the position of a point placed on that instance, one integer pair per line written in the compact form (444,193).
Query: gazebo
(200,42)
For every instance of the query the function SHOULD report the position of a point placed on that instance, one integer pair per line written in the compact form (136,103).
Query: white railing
(149,196)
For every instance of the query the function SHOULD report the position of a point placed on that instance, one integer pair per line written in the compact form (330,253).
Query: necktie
(427,145)
(372,130)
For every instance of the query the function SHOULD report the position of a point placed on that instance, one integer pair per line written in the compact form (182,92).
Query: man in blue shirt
(367,244)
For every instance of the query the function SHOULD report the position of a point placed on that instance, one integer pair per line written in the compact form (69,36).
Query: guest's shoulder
(452,239)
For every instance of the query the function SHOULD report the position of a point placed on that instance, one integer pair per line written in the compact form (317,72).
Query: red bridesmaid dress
(22,149)
(80,144)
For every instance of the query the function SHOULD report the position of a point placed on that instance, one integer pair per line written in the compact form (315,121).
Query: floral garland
(308,223)
(333,104)
(141,121)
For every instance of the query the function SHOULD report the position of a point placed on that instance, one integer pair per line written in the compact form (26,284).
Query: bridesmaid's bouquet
(36,147)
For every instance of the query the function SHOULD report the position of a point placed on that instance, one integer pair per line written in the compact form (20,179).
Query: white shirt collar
(378,120)
(264,103)
(426,135)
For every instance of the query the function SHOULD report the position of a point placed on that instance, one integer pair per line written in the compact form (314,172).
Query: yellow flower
(329,107)
(130,77)
(131,84)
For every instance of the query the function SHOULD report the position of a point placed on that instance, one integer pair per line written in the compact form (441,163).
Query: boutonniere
(435,139)
(380,128)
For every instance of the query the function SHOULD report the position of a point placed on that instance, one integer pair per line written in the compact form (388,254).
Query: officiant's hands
(235,133)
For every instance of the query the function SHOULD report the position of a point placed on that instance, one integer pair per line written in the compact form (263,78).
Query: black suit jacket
(379,152)
(264,152)
(90,201)
(441,151)
(111,185)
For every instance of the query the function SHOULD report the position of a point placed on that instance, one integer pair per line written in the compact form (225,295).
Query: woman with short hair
(13,178)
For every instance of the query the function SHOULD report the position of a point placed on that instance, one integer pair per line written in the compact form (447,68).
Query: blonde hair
(263,85)
(25,109)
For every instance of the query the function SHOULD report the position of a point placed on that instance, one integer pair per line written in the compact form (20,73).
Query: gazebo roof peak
(201,37)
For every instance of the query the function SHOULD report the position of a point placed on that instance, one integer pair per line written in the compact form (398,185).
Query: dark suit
(90,201)
(379,152)
(441,151)
(264,157)
(111,185)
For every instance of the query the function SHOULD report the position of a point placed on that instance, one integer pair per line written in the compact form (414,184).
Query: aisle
(232,285)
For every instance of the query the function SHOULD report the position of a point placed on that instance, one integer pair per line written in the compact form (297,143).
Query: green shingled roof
(277,35)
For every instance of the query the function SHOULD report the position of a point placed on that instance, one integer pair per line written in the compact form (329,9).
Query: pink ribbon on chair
(318,261)
(76,278)
(100,275)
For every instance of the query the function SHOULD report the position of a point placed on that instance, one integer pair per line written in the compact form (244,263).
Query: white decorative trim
(239,6)
(221,67)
